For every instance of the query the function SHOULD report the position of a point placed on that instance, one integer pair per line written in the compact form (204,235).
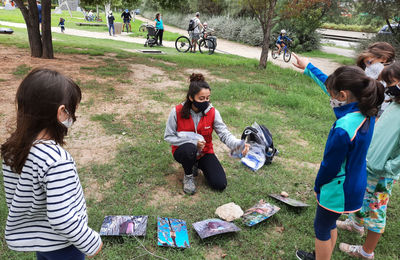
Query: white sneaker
(349,225)
(353,250)
(189,186)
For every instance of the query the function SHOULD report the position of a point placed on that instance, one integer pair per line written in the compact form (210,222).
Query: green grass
(287,102)
(333,57)
(22,70)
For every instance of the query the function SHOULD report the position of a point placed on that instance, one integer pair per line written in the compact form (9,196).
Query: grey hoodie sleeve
(223,133)
(171,134)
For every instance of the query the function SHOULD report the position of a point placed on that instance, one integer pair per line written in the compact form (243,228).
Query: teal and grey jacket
(342,177)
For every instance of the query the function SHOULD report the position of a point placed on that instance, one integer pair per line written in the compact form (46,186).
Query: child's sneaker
(349,225)
(354,250)
(303,255)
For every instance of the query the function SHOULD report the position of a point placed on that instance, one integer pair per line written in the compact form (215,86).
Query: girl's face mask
(69,121)
(393,91)
(374,70)
(336,103)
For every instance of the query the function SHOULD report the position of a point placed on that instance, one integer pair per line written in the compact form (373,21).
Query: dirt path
(224,46)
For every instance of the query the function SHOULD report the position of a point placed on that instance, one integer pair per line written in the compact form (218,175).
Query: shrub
(394,40)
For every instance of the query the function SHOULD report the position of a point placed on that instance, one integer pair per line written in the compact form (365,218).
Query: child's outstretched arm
(310,70)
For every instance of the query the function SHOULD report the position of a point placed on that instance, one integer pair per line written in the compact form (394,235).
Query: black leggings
(209,164)
(159,36)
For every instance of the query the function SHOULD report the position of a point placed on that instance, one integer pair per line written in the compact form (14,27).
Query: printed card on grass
(172,233)
(124,226)
(211,227)
(289,201)
(259,212)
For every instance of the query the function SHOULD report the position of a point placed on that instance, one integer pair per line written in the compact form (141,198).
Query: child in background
(47,210)
(383,168)
(341,179)
(61,24)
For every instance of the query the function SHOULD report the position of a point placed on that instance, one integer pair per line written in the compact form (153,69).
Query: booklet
(259,212)
(172,232)
(124,226)
(211,227)
(289,201)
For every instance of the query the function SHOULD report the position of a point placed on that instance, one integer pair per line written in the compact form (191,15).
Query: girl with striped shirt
(47,209)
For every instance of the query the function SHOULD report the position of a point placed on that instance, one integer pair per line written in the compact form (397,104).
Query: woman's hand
(200,145)
(246,149)
(301,63)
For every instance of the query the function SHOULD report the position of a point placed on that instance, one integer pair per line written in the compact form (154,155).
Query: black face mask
(393,91)
(201,106)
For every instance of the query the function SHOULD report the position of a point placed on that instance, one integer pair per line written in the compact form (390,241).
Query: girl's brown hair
(381,50)
(391,74)
(197,83)
(368,92)
(38,98)
(158,16)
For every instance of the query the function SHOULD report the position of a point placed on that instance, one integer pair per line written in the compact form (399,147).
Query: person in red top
(189,131)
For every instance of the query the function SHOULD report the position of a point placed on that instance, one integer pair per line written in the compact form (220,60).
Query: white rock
(229,211)
(284,194)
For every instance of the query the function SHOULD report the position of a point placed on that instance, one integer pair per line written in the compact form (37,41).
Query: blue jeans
(68,253)
(109,29)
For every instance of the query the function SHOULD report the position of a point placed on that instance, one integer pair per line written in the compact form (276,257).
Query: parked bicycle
(287,54)
(205,43)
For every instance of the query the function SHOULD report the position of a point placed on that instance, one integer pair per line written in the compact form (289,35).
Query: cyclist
(195,32)
(280,42)
(126,16)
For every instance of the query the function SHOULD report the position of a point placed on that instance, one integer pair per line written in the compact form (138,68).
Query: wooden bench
(91,24)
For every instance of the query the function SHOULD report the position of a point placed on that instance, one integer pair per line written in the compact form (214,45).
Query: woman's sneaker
(349,225)
(189,187)
(354,250)
(303,255)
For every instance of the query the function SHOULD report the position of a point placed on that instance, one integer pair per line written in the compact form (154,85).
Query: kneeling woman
(189,131)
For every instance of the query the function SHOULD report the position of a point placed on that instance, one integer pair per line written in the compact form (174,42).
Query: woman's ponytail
(371,98)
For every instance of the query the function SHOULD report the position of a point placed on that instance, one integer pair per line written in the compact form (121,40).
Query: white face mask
(374,70)
(68,122)
(336,103)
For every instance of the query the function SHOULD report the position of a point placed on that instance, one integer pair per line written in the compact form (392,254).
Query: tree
(264,11)
(41,45)
(387,9)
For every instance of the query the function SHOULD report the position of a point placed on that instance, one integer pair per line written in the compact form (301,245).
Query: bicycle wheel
(182,44)
(287,55)
(206,46)
(142,28)
(274,52)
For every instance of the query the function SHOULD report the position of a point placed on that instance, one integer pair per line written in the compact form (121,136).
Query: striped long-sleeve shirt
(47,210)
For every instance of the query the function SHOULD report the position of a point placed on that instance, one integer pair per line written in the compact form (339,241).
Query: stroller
(151,36)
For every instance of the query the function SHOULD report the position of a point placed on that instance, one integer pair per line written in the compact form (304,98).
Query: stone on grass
(229,211)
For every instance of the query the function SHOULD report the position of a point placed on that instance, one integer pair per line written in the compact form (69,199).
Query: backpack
(191,25)
(262,136)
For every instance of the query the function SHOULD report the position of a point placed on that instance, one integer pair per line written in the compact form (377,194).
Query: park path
(224,46)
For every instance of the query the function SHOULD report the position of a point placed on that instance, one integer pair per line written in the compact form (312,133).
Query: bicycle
(287,54)
(183,44)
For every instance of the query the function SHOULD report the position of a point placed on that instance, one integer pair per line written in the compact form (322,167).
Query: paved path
(224,46)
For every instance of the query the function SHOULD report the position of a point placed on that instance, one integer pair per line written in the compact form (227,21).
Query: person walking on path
(126,16)
(194,32)
(111,19)
(159,25)
(189,131)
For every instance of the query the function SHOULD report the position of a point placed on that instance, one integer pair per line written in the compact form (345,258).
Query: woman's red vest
(204,128)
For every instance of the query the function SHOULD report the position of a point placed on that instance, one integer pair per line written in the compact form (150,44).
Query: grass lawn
(142,179)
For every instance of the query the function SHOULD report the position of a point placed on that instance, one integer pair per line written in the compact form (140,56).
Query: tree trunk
(266,27)
(47,42)
(107,8)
